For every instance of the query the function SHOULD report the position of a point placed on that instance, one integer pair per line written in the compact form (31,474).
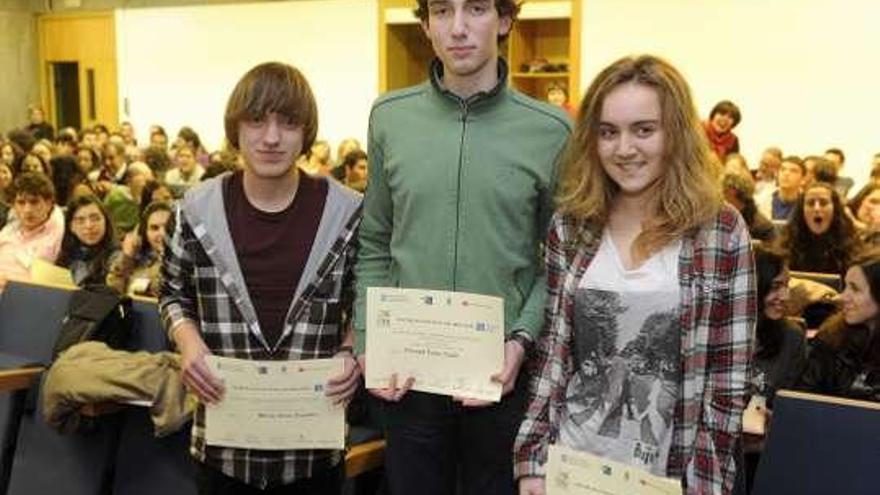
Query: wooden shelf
(540,75)
(546,29)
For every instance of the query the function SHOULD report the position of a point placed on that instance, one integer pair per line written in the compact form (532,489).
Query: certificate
(570,472)
(450,342)
(275,405)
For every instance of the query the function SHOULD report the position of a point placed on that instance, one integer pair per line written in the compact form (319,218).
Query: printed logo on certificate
(451,343)
(275,405)
(571,472)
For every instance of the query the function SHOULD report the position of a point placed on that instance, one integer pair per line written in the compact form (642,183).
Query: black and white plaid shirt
(202,283)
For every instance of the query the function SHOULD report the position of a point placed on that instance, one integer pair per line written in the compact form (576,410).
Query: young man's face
(270,146)
(791,176)
(464,34)
(32,211)
(356,175)
(159,140)
(722,122)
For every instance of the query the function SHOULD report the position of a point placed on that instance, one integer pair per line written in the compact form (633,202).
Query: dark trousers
(213,482)
(437,447)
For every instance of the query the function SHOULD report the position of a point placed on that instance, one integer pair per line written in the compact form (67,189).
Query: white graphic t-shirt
(620,401)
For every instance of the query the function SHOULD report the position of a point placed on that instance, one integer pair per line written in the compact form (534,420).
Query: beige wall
(19,84)
(804,72)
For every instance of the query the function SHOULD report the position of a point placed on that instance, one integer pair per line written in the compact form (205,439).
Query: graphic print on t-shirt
(620,401)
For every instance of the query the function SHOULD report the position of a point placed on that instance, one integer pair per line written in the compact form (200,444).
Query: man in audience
(768,168)
(778,204)
(37,125)
(158,138)
(843,183)
(89,139)
(112,169)
(35,235)
(355,166)
(459,196)
(259,267)
(187,173)
(126,130)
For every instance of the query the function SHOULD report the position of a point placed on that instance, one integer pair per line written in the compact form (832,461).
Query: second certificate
(450,342)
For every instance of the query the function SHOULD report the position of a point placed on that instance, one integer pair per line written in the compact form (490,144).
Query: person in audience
(22,138)
(780,348)
(158,160)
(633,351)
(261,225)
(10,153)
(843,183)
(319,163)
(66,177)
(355,165)
(155,192)
(34,235)
(33,162)
(844,358)
(865,207)
(188,172)
(737,164)
(126,130)
(102,136)
(820,237)
(5,190)
(65,145)
(504,206)
(134,269)
(345,147)
(779,204)
(43,149)
(88,241)
(768,168)
(112,171)
(557,94)
(124,201)
(739,192)
(820,169)
(187,136)
(723,118)
(89,139)
(158,138)
(37,125)
(86,160)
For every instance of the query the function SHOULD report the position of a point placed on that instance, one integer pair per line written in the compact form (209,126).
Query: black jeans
(213,482)
(437,447)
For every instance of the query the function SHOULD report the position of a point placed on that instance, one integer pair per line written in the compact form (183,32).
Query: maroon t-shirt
(273,248)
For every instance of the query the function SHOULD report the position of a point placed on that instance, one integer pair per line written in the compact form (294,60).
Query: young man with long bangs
(259,267)
(460,192)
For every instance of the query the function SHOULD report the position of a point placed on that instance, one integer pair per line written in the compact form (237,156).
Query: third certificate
(449,342)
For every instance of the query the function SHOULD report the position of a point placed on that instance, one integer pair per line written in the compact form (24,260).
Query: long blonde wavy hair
(689,191)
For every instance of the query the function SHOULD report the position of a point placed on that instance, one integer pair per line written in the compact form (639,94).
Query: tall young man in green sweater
(462,177)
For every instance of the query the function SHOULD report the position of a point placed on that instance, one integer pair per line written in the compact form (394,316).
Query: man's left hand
(341,388)
(514,355)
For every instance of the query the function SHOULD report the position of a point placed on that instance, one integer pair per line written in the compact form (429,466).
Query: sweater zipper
(464,115)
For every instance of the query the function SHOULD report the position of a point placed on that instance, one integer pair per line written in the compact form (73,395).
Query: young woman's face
(869,209)
(84,161)
(774,301)
(7,155)
(631,140)
(156,224)
(722,122)
(89,225)
(5,176)
(858,305)
(161,194)
(32,164)
(818,209)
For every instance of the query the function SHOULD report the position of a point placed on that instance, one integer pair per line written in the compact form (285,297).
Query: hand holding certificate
(448,342)
(570,472)
(275,405)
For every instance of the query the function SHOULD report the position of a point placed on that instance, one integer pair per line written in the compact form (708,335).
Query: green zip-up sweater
(459,196)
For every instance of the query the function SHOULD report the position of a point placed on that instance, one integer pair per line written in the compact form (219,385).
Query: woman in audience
(10,153)
(187,136)
(88,240)
(643,256)
(155,192)
(134,269)
(865,209)
(739,192)
(5,182)
(845,355)
(33,162)
(86,160)
(820,236)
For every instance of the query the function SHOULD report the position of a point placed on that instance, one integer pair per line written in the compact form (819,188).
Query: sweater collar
(436,76)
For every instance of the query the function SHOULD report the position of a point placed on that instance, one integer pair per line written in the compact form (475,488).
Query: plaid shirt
(717,308)
(202,282)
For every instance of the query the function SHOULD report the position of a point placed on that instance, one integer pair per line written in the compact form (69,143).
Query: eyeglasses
(82,220)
